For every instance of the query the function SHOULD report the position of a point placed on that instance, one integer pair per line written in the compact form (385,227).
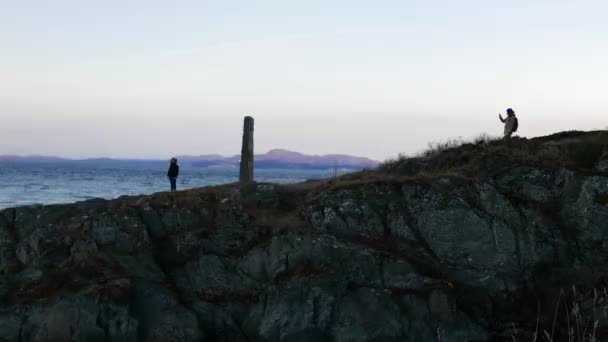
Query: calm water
(25,183)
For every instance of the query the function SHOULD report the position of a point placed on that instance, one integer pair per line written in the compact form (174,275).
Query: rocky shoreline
(384,258)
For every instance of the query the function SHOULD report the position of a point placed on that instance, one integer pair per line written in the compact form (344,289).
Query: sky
(153,79)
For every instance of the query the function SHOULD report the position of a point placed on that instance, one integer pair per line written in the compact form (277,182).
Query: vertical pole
(246,174)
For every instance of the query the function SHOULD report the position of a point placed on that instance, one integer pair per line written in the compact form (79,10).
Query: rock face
(443,259)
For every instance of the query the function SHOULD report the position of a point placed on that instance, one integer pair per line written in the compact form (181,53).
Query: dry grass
(577,317)
(71,277)
(437,147)
(223,296)
(487,156)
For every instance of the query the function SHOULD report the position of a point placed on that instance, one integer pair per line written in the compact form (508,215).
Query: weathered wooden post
(246,174)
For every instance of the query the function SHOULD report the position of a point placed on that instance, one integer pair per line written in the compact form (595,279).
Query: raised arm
(501,119)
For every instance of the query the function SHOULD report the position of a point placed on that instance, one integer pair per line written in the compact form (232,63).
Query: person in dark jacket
(173,173)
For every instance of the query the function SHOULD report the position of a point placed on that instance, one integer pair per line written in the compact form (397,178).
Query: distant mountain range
(277,158)
(280,158)
(6,158)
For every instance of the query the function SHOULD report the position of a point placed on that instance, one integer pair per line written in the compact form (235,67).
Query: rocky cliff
(484,242)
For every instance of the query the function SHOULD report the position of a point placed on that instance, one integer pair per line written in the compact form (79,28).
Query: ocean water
(26,183)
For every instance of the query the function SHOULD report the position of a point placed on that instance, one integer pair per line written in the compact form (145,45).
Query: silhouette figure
(511,123)
(173,173)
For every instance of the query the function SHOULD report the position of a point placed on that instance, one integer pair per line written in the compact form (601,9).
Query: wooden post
(246,174)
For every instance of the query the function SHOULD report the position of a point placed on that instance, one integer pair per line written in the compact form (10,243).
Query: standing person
(173,173)
(510,122)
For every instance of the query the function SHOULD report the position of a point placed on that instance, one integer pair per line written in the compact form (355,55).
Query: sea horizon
(50,182)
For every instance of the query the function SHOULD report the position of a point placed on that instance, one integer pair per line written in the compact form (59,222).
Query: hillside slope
(482,242)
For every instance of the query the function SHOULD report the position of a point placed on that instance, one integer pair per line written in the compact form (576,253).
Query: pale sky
(149,78)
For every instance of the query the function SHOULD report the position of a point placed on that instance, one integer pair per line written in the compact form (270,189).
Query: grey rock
(83,250)
(11,323)
(160,315)
(104,234)
(449,259)
(294,310)
(602,165)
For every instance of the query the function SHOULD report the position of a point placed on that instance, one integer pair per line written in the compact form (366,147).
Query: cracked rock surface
(447,259)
